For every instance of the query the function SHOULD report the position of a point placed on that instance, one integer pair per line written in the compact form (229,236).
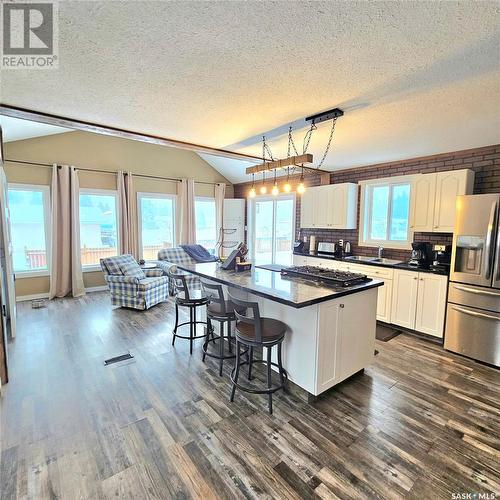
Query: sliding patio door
(272,228)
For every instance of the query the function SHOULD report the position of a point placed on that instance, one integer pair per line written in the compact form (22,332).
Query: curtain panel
(186,221)
(127,209)
(220,193)
(66,275)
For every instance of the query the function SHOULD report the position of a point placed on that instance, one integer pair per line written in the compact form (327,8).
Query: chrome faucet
(380,250)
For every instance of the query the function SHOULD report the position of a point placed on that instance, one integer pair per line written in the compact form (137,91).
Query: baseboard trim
(101,288)
(24,298)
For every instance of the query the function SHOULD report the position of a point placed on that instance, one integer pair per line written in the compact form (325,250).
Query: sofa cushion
(130,267)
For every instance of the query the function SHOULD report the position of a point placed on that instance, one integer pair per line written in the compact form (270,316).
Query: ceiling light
(301,188)
(251,193)
(287,188)
(275,191)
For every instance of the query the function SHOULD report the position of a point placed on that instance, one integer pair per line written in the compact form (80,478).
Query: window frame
(251,216)
(205,198)
(90,268)
(365,217)
(47,219)
(144,194)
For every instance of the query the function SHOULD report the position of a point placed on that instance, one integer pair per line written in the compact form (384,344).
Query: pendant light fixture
(287,188)
(301,188)
(263,188)
(275,191)
(252,193)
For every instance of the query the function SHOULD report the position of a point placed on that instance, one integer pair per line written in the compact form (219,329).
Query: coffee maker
(441,257)
(420,254)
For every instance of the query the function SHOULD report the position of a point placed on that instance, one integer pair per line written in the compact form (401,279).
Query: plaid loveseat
(130,286)
(168,257)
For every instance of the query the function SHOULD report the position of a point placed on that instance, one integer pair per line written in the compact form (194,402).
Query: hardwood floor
(419,423)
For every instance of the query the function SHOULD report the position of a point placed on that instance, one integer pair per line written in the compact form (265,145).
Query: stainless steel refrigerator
(473,309)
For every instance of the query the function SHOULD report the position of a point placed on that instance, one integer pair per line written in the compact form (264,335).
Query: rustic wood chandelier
(293,161)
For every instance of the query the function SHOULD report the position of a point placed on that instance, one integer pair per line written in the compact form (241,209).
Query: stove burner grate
(331,276)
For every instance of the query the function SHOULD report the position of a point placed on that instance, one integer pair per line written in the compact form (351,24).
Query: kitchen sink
(373,260)
(360,258)
(391,262)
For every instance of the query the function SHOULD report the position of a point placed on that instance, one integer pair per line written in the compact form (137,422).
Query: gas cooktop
(331,276)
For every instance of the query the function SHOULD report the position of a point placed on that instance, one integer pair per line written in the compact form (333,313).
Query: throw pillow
(131,268)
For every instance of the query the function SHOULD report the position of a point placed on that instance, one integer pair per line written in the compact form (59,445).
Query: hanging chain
(266,149)
(307,138)
(291,143)
(328,144)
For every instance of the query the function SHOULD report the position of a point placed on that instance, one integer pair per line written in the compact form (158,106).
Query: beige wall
(87,150)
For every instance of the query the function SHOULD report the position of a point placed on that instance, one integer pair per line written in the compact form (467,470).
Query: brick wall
(484,161)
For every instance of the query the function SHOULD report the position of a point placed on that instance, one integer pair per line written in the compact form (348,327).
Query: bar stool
(255,331)
(192,299)
(221,310)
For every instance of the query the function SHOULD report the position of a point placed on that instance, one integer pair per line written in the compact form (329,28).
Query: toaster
(327,248)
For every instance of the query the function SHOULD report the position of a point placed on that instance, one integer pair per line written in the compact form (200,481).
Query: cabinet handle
(341,306)
(421,279)
(415,278)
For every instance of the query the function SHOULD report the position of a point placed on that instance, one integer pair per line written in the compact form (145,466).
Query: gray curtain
(66,275)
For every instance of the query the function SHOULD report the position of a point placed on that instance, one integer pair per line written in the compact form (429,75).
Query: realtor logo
(29,35)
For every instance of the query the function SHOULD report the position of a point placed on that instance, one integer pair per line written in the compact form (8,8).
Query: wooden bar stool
(190,298)
(254,331)
(221,310)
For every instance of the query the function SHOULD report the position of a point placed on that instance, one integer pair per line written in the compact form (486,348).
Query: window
(29,225)
(206,228)
(385,209)
(98,225)
(272,229)
(156,223)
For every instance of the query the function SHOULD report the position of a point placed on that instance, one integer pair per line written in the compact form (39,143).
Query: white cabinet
(419,301)
(332,206)
(404,298)
(431,304)
(384,297)
(422,202)
(448,186)
(433,199)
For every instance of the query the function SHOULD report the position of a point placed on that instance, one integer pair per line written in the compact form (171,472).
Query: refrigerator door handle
(474,290)
(474,313)
(489,235)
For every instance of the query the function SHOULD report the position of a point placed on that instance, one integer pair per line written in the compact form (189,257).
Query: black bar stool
(190,298)
(254,331)
(221,310)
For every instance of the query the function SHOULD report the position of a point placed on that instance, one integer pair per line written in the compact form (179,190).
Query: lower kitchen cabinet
(419,301)
(431,304)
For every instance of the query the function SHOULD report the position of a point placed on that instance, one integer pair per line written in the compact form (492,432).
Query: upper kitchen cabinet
(332,206)
(433,199)
(448,186)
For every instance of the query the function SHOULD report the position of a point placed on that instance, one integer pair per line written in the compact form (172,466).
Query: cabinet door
(343,206)
(448,186)
(384,302)
(431,304)
(422,203)
(321,207)
(404,298)
(307,209)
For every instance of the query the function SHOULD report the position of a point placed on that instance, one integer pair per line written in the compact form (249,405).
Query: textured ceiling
(413,78)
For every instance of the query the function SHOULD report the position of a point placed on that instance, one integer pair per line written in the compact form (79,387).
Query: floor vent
(117,359)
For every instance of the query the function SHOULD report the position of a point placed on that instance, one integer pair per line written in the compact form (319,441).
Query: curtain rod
(49,165)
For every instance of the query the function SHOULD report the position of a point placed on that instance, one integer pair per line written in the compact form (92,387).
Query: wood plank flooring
(419,423)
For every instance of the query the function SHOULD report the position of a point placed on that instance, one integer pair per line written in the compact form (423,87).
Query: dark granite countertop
(294,292)
(403,265)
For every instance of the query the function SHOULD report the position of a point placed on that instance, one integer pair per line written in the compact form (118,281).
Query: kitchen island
(331,332)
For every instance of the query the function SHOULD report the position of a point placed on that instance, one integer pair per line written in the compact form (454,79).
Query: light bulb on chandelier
(287,188)
(252,193)
(301,188)
(275,191)
(263,188)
